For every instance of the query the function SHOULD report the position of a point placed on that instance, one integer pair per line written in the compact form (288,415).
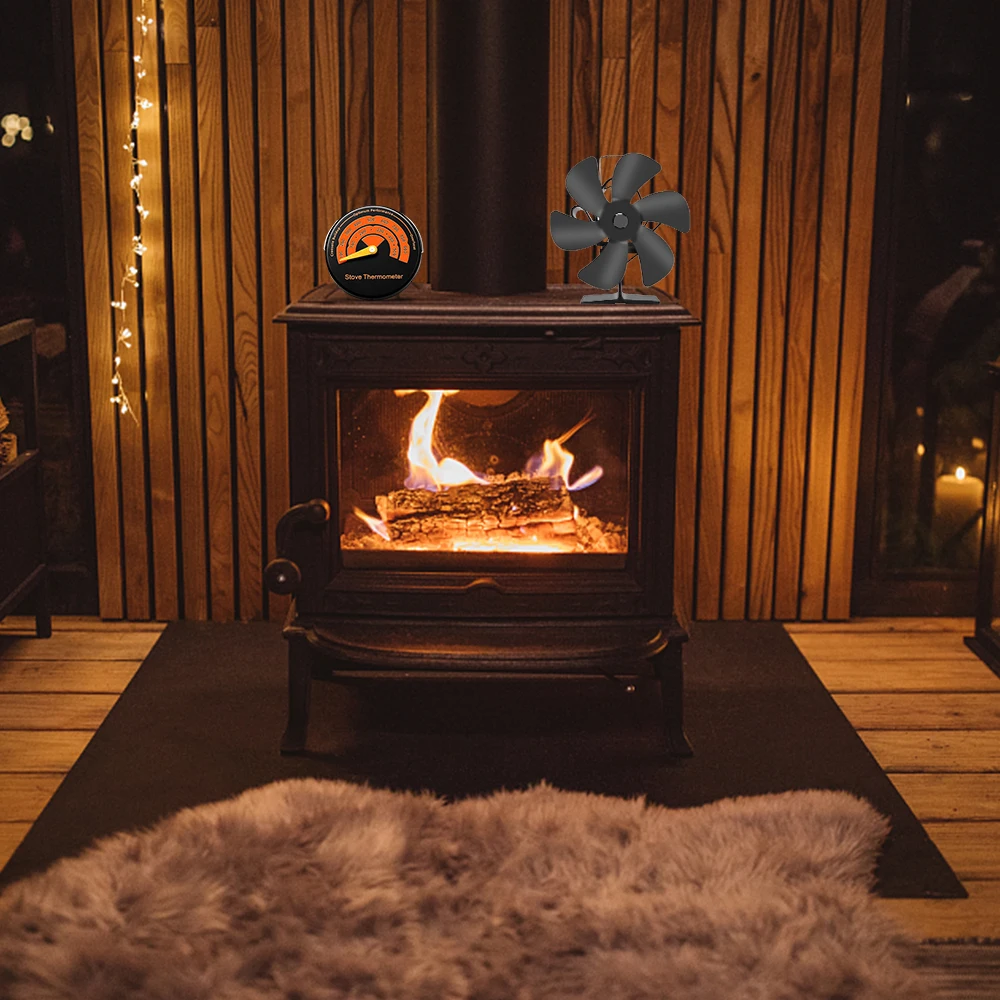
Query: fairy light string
(131,273)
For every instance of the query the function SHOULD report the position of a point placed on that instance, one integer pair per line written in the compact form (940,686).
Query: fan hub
(620,221)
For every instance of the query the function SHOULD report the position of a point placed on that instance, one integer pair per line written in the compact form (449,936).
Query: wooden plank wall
(277,115)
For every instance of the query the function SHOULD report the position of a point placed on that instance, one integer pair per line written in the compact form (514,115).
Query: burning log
(504,511)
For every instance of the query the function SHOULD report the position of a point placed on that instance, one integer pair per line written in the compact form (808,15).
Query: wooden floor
(928,709)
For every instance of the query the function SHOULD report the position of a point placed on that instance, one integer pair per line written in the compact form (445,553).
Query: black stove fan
(618,224)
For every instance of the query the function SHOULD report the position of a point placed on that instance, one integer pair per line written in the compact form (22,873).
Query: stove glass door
(484,475)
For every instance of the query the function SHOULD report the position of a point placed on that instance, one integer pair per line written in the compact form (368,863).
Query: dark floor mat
(202,719)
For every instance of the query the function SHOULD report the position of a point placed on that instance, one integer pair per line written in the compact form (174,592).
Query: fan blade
(574,234)
(655,256)
(583,183)
(608,268)
(631,172)
(668,207)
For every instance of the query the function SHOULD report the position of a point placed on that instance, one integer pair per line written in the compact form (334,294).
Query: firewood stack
(507,513)
(8,439)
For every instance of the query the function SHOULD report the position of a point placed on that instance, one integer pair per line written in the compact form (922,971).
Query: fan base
(625,298)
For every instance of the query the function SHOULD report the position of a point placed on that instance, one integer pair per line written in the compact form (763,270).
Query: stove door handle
(282,575)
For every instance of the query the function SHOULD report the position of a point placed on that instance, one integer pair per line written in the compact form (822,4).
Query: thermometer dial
(373,252)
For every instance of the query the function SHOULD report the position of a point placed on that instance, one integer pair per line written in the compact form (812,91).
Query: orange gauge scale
(373,252)
(371,230)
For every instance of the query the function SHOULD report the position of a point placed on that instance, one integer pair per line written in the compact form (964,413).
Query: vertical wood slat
(187,342)
(215,322)
(298,142)
(719,263)
(155,335)
(97,281)
(243,275)
(855,310)
(118,75)
(176,45)
(826,345)
(357,104)
(614,62)
(746,285)
(690,287)
(669,85)
(385,103)
(560,45)
(413,130)
(585,110)
(326,123)
(774,307)
(801,305)
(663,78)
(273,286)
(641,90)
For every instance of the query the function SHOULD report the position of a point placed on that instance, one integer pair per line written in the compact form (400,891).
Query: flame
(427,471)
(555,462)
(960,473)
(379,527)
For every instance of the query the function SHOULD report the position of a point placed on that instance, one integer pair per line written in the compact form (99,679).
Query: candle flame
(960,473)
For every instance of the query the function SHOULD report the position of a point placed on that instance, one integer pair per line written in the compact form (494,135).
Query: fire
(379,527)
(546,526)
(427,471)
(555,462)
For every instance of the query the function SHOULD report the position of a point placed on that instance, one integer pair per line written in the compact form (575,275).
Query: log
(508,503)
(516,513)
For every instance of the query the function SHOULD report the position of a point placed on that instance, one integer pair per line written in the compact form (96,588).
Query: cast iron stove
(481,485)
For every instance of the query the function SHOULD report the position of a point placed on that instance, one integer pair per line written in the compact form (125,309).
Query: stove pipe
(488,222)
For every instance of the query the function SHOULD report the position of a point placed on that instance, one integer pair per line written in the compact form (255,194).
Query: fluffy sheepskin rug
(322,890)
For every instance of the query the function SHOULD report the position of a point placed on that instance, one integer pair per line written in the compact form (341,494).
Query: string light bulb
(130,272)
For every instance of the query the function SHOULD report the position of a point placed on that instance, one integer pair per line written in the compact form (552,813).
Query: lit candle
(958,499)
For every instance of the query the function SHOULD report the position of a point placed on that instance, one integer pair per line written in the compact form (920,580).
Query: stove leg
(669,666)
(300,659)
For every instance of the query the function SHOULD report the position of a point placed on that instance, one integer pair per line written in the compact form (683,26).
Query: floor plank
(24,796)
(970,848)
(77,623)
(888,646)
(950,796)
(11,834)
(963,626)
(940,710)
(975,917)
(55,710)
(956,674)
(80,645)
(41,751)
(916,750)
(79,677)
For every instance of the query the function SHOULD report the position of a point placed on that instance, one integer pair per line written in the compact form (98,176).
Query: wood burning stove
(480,484)
(483,474)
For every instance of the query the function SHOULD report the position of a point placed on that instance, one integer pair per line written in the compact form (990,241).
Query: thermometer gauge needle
(357,253)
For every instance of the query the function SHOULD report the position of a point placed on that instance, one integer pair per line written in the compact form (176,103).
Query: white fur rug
(312,890)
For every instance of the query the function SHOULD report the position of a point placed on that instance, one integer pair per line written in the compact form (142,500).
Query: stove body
(532,566)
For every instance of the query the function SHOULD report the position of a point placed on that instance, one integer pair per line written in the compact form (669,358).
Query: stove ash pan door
(491,501)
